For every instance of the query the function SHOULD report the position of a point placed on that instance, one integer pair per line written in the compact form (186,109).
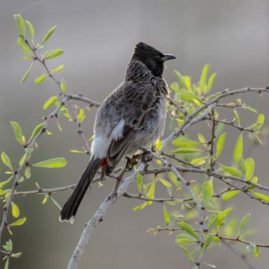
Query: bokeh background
(98,38)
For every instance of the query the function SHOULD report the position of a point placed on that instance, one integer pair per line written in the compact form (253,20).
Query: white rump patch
(117,132)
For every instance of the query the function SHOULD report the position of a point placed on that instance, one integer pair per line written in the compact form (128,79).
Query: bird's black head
(151,57)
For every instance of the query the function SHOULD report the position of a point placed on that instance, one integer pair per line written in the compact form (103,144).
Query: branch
(98,217)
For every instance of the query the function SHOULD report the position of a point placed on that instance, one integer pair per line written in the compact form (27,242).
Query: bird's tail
(71,206)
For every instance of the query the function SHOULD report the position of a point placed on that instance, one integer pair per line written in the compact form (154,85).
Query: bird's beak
(168,57)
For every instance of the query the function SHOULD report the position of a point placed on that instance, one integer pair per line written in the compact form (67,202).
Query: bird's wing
(134,100)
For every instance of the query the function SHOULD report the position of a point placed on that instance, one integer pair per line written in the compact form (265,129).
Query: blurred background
(98,38)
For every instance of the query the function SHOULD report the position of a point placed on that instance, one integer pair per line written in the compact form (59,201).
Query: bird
(131,117)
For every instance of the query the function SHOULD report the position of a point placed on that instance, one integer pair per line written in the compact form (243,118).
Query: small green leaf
(20,24)
(201,138)
(158,144)
(151,191)
(8,246)
(27,172)
(58,69)
(211,81)
(220,144)
(229,195)
(24,46)
(31,29)
(63,86)
(50,102)
(139,182)
(37,130)
(243,223)
(51,163)
(18,222)
(27,73)
(189,229)
(238,149)
(53,54)
(208,190)
(203,77)
(16,255)
(48,34)
(249,168)
(253,249)
(6,161)
(17,132)
(187,150)
(261,196)
(199,161)
(15,210)
(81,115)
(166,216)
(7,264)
(231,170)
(41,78)
(166,183)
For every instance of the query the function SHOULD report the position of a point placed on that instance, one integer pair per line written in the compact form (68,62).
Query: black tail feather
(71,206)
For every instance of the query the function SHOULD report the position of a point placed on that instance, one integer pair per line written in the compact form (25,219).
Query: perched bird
(131,117)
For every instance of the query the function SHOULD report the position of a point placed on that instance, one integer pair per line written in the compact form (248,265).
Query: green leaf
(24,47)
(16,255)
(229,195)
(208,190)
(20,24)
(185,142)
(199,161)
(18,222)
(31,29)
(259,123)
(190,97)
(261,196)
(211,81)
(6,161)
(209,240)
(220,144)
(189,229)
(253,249)
(18,132)
(41,78)
(7,264)
(63,86)
(27,73)
(37,130)
(201,139)
(139,182)
(243,223)
(58,69)
(216,221)
(15,210)
(48,35)
(51,163)
(158,144)
(50,102)
(249,168)
(8,246)
(151,191)
(187,150)
(53,54)
(166,216)
(231,170)
(238,149)
(184,239)
(81,115)
(27,172)
(203,77)
(166,183)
